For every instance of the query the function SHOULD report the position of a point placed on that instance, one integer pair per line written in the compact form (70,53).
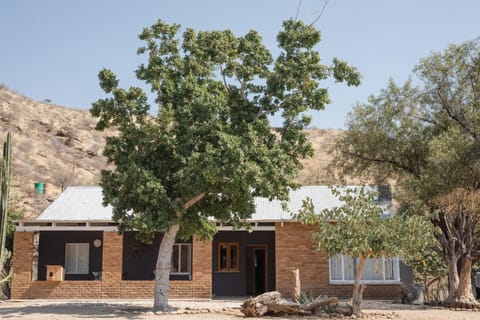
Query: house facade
(73,250)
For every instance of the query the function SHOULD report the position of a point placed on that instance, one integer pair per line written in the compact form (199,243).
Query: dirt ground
(199,309)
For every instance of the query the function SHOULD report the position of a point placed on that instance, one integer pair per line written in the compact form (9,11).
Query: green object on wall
(39,187)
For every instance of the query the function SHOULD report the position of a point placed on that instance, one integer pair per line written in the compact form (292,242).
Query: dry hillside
(60,147)
(50,144)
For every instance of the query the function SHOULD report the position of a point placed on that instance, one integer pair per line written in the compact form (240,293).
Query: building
(73,250)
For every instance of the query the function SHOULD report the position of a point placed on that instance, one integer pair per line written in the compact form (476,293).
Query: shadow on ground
(87,310)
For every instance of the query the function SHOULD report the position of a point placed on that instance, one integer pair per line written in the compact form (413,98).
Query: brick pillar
(22,265)
(112,265)
(294,249)
(202,268)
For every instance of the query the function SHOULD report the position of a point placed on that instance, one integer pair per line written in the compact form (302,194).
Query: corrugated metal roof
(321,196)
(85,204)
(78,204)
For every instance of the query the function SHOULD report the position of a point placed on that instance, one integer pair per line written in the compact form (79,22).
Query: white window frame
(189,257)
(395,270)
(78,250)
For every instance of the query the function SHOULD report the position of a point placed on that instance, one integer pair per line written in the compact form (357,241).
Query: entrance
(256,267)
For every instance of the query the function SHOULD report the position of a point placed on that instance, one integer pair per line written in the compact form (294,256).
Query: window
(181,258)
(382,270)
(227,258)
(77,258)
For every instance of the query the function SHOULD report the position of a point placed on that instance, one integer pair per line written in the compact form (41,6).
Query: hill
(60,147)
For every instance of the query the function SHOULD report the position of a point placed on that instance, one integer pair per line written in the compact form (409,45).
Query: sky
(53,49)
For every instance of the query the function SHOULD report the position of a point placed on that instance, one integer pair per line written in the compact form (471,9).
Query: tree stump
(297,290)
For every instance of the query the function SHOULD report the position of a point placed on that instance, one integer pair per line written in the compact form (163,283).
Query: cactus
(5,188)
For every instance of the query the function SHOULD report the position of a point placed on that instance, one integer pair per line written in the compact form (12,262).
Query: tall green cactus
(5,188)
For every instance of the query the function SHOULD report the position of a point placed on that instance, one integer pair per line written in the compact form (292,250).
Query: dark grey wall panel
(235,283)
(52,251)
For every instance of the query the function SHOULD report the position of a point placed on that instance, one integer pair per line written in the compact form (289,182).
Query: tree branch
(430,121)
(298,9)
(193,200)
(320,14)
(262,112)
(394,163)
(224,78)
(453,116)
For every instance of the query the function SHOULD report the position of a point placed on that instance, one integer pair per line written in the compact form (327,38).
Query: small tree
(211,149)
(358,228)
(425,257)
(430,266)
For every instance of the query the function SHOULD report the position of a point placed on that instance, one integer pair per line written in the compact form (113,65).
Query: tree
(358,228)
(210,150)
(426,139)
(429,265)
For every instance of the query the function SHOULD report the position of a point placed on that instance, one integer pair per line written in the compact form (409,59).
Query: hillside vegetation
(60,147)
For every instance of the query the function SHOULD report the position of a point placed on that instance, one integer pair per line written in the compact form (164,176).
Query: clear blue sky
(53,49)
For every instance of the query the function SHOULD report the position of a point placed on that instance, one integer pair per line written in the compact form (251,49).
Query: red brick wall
(111,285)
(112,265)
(22,265)
(295,249)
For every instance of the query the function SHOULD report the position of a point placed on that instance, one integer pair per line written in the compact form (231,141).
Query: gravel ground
(198,309)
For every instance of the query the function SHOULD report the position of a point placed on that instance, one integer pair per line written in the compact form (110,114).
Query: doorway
(256,268)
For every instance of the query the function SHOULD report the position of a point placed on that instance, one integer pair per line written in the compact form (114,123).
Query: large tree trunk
(164,260)
(358,288)
(453,279)
(462,296)
(459,239)
(162,270)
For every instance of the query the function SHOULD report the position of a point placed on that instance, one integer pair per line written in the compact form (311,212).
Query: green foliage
(359,228)
(211,141)
(308,297)
(426,260)
(427,139)
(305,297)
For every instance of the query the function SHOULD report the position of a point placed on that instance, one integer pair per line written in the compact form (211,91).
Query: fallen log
(346,310)
(271,303)
(319,302)
(257,307)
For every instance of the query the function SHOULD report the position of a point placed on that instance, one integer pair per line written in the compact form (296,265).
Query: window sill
(77,274)
(227,271)
(180,277)
(369,282)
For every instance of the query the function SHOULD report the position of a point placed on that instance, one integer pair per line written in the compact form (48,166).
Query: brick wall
(22,265)
(111,285)
(294,249)
(112,265)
